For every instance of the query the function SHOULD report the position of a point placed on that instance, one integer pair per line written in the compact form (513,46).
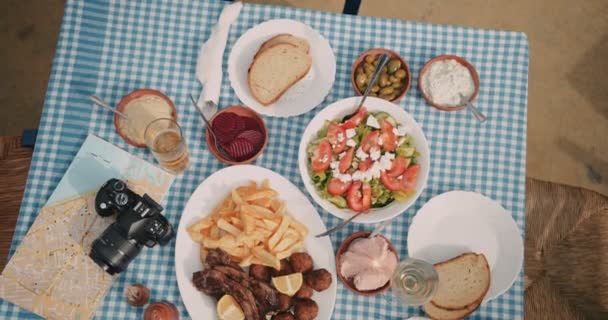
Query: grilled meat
(214,282)
(266,296)
(217,257)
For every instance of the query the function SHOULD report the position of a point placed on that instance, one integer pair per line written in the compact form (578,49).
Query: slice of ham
(369,263)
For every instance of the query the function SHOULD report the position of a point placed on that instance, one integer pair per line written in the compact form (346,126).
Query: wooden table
(566,255)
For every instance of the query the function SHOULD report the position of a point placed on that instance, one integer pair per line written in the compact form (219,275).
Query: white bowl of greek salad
(375,159)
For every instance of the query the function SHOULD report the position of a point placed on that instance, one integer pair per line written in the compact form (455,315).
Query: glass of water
(414,282)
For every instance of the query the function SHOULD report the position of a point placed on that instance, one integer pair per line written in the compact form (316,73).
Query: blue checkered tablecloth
(112,48)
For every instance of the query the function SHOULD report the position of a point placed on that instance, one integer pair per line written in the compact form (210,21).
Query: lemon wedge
(289,284)
(229,309)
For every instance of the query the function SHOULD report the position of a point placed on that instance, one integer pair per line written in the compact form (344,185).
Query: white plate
(342,108)
(307,93)
(207,196)
(459,221)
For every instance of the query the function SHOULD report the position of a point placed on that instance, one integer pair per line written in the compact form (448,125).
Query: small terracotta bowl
(378,51)
(348,282)
(241,111)
(458,59)
(132,96)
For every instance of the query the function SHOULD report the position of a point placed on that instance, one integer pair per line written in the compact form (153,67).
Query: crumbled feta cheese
(357,176)
(375,170)
(386,160)
(341,155)
(401,141)
(373,122)
(401,130)
(380,141)
(351,133)
(351,143)
(344,177)
(325,159)
(334,164)
(340,137)
(374,153)
(360,154)
(355,165)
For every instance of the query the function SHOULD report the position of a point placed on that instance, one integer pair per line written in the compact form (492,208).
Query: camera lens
(113,252)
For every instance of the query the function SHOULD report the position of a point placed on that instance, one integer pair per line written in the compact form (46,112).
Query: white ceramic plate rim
(340,109)
(308,92)
(499,237)
(203,200)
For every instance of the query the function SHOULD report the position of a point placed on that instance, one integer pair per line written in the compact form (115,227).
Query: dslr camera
(138,222)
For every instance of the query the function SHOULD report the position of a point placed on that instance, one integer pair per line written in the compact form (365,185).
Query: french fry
(214,233)
(285,243)
(265,184)
(246,262)
(261,210)
(271,224)
(263,202)
(275,204)
(299,227)
(226,226)
(276,236)
(203,254)
(249,223)
(266,257)
(264,194)
(236,197)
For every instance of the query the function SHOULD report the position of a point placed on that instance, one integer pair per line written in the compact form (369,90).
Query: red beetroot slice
(240,149)
(250,124)
(253,136)
(227,123)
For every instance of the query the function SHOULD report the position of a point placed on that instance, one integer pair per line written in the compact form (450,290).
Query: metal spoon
(103,104)
(478,115)
(379,228)
(382,61)
(217,145)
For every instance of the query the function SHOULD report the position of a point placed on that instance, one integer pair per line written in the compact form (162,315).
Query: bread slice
(463,281)
(275,70)
(300,43)
(437,313)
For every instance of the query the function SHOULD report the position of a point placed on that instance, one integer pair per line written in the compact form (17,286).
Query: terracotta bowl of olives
(394,80)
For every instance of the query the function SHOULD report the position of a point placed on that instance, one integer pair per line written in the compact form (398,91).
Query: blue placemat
(113,48)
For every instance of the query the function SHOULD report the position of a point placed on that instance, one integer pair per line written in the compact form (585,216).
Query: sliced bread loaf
(300,43)
(275,70)
(437,313)
(463,281)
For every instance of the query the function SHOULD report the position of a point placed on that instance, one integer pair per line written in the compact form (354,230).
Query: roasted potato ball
(285,269)
(305,292)
(319,279)
(283,316)
(284,302)
(260,272)
(301,262)
(305,309)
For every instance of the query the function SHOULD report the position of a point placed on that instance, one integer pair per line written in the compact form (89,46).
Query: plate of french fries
(257,217)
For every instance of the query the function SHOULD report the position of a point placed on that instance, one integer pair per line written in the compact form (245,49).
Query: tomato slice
(391,183)
(397,167)
(321,157)
(370,140)
(336,187)
(336,136)
(389,139)
(347,160)
(408,179)
(359,196)
(356,119)
(364,165)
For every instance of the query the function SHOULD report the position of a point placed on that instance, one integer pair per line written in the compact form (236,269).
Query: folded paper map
(51,273)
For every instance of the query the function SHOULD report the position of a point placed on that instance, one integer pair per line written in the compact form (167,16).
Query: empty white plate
(459,221)
(303,96)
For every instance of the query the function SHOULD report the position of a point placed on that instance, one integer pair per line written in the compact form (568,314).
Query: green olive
(373,94)
(385,69)
(369,69)
(375,88)
(370,58)
(391,96)
(393,79)
(361,79)
(360,70)
(396,85)
(383,80)
(361,87)
(394,65)
(400,73)
(384,96)
(387,91)
(375,63)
